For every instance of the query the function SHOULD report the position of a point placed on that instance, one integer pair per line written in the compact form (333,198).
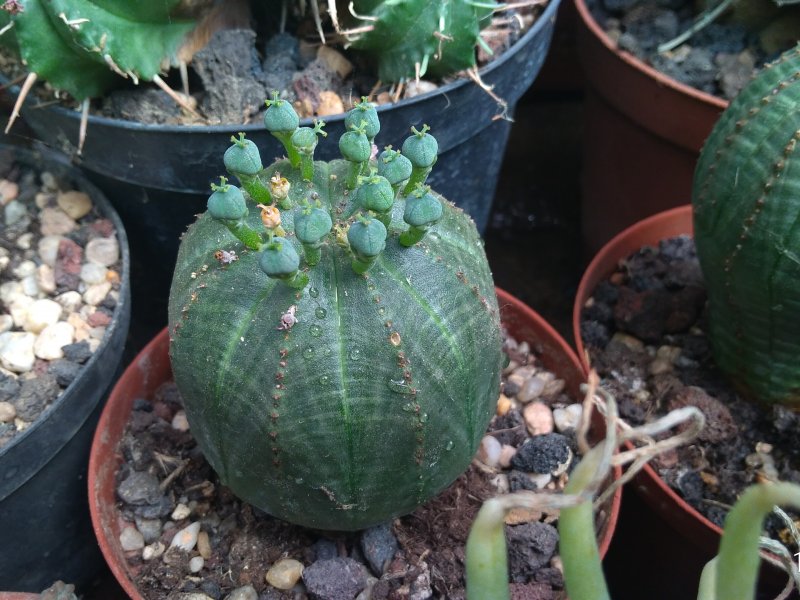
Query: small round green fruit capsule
(376,194)
(305,138)
(279,259)
(310,226)
(355,146)
(422,209)
(226,203)
(394,166)
(280,116)
(421,148)
(367,237)
(243,157)
(364,111)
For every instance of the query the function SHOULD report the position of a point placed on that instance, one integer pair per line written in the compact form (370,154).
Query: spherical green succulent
(332,376)
(746,215)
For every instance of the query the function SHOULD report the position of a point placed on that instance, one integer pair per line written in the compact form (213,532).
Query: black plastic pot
(45,530)
(158,177)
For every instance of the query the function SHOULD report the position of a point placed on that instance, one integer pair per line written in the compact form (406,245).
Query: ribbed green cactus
(83,46)
(747,229)
(430,35)
(332,375)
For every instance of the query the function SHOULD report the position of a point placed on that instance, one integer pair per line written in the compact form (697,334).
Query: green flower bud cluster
(354,320)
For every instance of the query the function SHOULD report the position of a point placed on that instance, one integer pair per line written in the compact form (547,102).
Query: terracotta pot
(18,596)
(693,529)
(643,132)
(151,368)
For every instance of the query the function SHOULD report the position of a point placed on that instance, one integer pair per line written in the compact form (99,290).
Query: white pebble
(500,483)
(532,389)
(568,418)
(180,422)
(103,251)
(186,538)
(538,418)
(16,351)
(18,308)
(540,480)
(181,512)
(7,412)
(285,573)
(71,301)
(46,279)
(506,454)
(51,339)
(6,323)
(196,564)
(54,221)
(131,539)
(42,313)
(76,204)
(92,273)
(14,212)
(247,592)
(30,287)
(8,191)
(489,451)
(48,249)
(9,291)
(25,269)
(96,293)
(24,241)
(152,551)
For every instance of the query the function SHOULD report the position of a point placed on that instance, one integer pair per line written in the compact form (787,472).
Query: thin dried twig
(30,79)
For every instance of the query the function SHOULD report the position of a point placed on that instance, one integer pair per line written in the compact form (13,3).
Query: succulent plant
(333,376)
(747,231)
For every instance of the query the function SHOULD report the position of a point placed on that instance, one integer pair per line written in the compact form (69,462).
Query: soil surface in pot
(644,329)
(184,533)
(60,264)
(231,76)
(719,59)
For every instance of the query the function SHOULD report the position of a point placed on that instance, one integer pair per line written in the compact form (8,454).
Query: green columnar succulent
(332,376)
(419,36)
(746,201)
(83,46)
(421,149)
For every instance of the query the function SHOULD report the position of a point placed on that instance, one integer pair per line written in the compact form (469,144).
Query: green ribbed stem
(385,218)
(291,152)
(313,253)
(256,188)
(418,176)
(307,166)
(352,174)
(246,234)
(296,281)
(412,235)
(362,264)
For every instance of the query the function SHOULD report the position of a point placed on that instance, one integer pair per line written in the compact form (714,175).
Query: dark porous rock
(542,454)
(324,549)
(683,273)
(686,305)
(335,579)
(229,67)
(9,387)
(531,591)
(677,248)
(594,334)
(65,371)
(142,404)
(137,450)
(606,293)
(643,314)
(379,545)
(211,589)
(551,576)
(602,312)
(784,419)
(281,61)
(79,352)
(530,547)
(33,396)
(139,488)
(146,105)
(645,269)
(697,69)
(510,428)
(719,426)
(517,480)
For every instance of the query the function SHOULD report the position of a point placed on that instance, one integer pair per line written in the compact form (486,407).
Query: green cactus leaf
(746,200)
(354,400)
(53,58)
(439,34)
(137,47)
